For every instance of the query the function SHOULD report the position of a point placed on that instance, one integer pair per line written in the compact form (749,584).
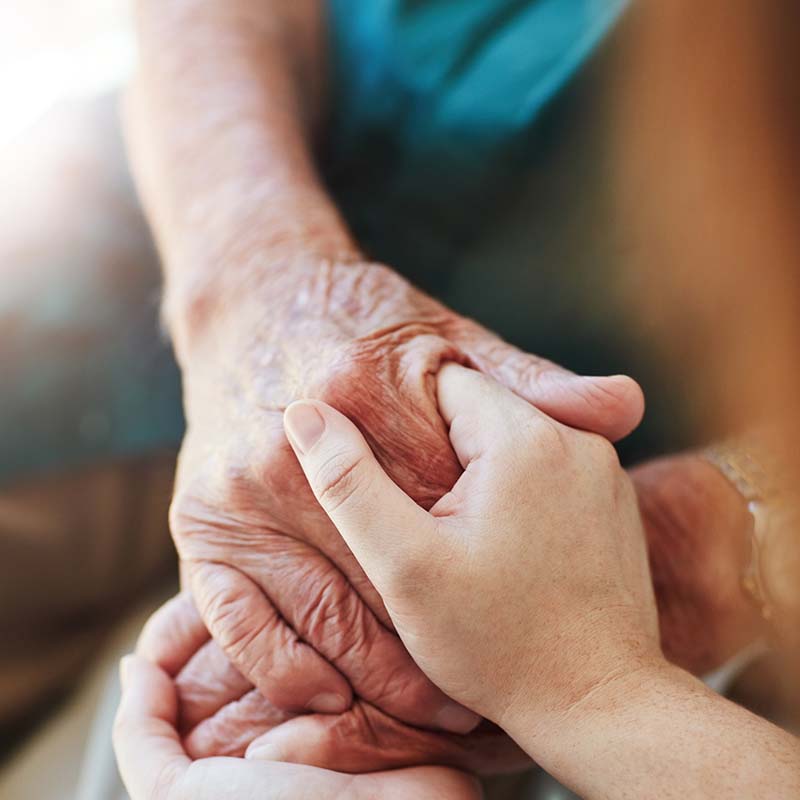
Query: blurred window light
(46,66)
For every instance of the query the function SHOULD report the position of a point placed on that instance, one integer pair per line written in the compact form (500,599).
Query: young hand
(526,587)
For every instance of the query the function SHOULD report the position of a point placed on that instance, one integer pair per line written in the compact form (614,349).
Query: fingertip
(330,703)
(302,740)
(264,752)
(147,690)
(304,425)
(275,745)
(620,404)
(461,389)
(300,680)
(609,405)
(455,718)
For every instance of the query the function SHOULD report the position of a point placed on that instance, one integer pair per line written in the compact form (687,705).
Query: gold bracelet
(737,467)
(772,577)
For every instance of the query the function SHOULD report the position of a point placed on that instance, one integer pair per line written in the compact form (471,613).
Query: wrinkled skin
(221,714)
(698,532)
(696,526)
(154,763)
(273,581)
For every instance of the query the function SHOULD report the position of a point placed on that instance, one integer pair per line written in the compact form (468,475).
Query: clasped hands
(520,593)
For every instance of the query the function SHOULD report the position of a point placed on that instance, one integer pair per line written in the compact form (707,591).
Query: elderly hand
(268,299)
(698,533)
(277,587)
(221,714)
(153,762)
(527,585)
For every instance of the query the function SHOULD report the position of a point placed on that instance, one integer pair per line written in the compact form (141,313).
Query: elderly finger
(364,739)
(230,730)
(611,406)
(207,683)
(245,623)
(325,611)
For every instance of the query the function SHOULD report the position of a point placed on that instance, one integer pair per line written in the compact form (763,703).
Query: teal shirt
(452,75)
(458,157)
(436,109)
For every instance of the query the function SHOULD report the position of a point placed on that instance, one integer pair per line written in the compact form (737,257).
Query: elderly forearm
(220,125)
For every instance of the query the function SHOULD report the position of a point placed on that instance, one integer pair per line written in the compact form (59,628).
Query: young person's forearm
(223,112)
(664,735)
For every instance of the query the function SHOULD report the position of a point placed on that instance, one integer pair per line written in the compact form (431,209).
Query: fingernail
(328,703)
(304,425)
(265,752)
(456,719)
(124,669)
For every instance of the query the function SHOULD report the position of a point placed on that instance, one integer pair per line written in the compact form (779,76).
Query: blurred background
(57,52)
(671,162)
(83,534)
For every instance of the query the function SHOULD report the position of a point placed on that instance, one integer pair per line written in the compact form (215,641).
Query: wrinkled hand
(221,714)
(698,532)
(275,584)
(524,588)
(153,761)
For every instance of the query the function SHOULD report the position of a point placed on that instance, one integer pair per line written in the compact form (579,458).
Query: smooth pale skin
(268,299)
(525,594)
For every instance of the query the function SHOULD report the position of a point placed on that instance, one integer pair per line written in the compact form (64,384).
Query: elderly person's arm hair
(224,106)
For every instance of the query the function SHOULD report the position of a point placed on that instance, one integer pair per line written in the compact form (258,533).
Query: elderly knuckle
(334,618)
(186,515)
(325,595)
(229,616)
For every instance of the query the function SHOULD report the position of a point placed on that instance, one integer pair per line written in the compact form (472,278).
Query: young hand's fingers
(149,752)
(382,525)
(483,416)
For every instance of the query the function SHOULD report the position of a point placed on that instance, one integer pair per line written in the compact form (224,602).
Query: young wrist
(548,733)
(531,720)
